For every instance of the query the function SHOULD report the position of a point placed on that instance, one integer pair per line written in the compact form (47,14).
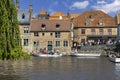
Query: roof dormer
(57,26)
(100,22)
(23,16)
(43,26)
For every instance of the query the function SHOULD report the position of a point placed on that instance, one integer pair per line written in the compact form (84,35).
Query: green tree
(10,47)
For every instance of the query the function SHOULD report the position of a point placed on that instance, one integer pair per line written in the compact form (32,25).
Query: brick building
(62,31)
(51,34)
(94,26)
(24,19)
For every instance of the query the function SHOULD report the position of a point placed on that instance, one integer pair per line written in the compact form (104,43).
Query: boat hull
(114,59)
(47,55)
(85,55)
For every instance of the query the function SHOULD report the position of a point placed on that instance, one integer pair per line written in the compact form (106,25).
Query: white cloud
(101,2)
(108,7)
(80,5)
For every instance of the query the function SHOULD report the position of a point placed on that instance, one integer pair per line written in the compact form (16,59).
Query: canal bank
(96,49)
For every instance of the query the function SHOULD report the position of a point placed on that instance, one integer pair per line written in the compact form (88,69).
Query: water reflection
(117,71)
(64,68)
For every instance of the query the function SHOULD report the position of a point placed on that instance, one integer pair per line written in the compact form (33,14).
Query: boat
(47,54)
(114,58)
(85,54)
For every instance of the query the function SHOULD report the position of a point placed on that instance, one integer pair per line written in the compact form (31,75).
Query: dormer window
(60,17)
(57,25)
(100,22)
(43,26)
(90,16)
(23,16)
(88,22)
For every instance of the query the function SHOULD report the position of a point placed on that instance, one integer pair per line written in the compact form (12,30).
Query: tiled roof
(58,14)
(50,25)
(93,17)
(43,11)
(74,15)
(23,16)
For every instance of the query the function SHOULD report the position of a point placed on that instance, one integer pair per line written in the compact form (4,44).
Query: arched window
(23,16)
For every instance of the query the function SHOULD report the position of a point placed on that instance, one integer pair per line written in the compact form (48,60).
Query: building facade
(50,35)
(62,32)
(24,20)
(94,26)
(118,22)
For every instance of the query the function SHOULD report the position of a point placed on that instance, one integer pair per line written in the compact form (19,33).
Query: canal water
(64,68)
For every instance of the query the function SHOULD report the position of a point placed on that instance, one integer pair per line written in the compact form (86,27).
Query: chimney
(31,11)
(17,5)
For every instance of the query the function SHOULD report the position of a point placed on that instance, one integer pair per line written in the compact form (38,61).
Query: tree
(10,47)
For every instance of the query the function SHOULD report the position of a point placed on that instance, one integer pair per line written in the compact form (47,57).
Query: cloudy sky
(112,7)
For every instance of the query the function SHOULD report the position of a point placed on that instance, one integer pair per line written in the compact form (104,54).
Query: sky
(111,7)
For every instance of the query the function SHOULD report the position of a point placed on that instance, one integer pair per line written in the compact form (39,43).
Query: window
(51,34)
(23,16)
(83,31)
(88,22)
(90,16)
(49,42)
(109,31)
(43,34)
(25,30)
(57,43)
(65,43)
(101,22)
(36,34)
(43,26)
(93,32)
(101,31)
(57,25)
(57,34)
(36,44)
(25,42)
(60,17)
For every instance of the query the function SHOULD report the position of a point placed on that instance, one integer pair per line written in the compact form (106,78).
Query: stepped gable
(50,25)
(94,17)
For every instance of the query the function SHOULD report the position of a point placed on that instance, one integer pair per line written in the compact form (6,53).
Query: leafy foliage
(10,47)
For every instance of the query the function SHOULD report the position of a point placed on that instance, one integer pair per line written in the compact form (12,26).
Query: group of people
(99,42)
(51,52)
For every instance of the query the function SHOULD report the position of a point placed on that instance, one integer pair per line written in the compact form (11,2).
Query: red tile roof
(43,11)
(58,14)
(74,15)
(94,17)
(50,25)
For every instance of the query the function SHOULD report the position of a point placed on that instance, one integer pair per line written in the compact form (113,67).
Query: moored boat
(85,54)
(114,58)
(47,54)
